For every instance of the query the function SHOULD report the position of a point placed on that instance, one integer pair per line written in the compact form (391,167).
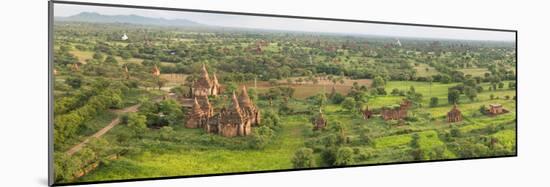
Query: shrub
(344,156)
(434,101)
(303,158)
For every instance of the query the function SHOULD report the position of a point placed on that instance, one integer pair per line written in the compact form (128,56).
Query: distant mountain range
(133,19)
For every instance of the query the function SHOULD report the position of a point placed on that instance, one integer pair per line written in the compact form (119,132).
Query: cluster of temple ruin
(234,120)
(241,115)
(399,112)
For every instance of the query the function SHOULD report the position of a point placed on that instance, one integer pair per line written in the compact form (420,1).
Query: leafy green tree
(470,93)
(111,60)
(98,56)
(125,55)
(166,132)
(445,79)
(303,158)
(65,166)
(320,100)
(453,96)
(137,122)
(349,103)
(366,138)
(416,152)
(337,98)
(262,136)
(434,101)
(511,85)
(378,82)
(171,111)
(395,92)
(344,156)
(74,81)
(455,132)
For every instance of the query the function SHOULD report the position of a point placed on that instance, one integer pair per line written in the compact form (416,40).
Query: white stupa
(398,43)
(124,37)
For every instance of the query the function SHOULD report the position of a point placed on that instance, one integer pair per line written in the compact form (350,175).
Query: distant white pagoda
(398,43)
(124,37)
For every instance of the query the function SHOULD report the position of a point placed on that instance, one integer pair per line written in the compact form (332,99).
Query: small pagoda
(454,115)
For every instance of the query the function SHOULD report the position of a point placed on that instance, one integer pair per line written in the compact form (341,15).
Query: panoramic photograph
(143,93)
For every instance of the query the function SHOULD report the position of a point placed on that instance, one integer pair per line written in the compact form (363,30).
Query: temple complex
(235,120)
(454,115)
(205,86)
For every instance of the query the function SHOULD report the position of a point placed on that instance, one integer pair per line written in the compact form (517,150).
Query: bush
(349,103)
(337,98)
(261,137)
(137,122)
(434,101)
(344,156)
(303,158)
(455,132)
(74,81)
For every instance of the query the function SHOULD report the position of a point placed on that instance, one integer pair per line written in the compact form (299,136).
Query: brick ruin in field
(319,122)
(496,109)
(396,112)
(454,115)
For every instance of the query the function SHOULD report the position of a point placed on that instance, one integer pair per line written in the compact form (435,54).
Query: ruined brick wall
(228,130)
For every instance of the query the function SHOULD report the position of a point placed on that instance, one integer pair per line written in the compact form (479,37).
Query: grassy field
(83,56)
(192,161)
(425,70)
(475,72)
(308,89)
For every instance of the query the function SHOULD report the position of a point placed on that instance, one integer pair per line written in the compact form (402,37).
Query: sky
(305,25)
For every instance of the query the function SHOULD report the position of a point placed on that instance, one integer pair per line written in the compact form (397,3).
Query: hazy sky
(293,24)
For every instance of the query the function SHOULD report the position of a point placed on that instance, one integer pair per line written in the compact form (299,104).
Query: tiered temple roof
(196,116)
(204,79)
(205,86)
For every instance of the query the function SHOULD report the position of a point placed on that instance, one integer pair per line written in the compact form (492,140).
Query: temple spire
(215,79)
(244,98)
(235,101)
(204,71)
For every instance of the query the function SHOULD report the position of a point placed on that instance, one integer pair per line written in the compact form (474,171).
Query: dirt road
(105,129)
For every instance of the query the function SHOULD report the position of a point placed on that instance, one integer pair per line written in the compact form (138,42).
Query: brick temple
(454,115)
(396,112)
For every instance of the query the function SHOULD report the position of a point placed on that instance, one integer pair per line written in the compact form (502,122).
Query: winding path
(101,132)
